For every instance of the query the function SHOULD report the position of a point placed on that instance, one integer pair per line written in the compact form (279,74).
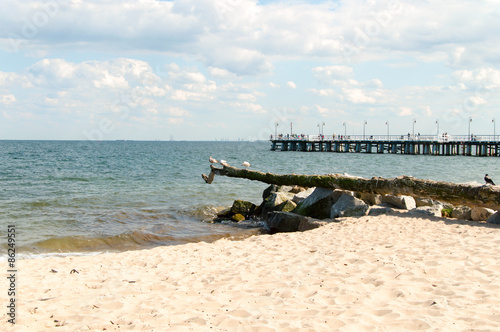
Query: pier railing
(467,145)
(433,138)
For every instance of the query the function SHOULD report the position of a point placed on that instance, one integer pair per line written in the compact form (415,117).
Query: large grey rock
(272,189)
(494,218)
(420,201)
(269,190)
(434,210)
(481,213)
(461,212)
(378,210)
(273,202)
(319,203)
(279,222)
(400,202)
(300,196)
(348,206)
(369,198)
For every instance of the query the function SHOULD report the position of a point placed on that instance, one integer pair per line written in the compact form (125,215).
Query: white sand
(371,273)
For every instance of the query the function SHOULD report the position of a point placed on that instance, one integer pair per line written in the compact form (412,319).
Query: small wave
(126,241)
(201,212)
(67,178)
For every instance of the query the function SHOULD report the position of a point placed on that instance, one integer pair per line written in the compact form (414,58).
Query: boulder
(286,189)
(224,214)
(238,217)
(481,214)
(297,189)
(319,203)
(299,197)
(348,206)
(369,198)
(286,206)
(378,210)
(494,218)
(461,212)
(280,222)
(242,207)
(272,203)
(310,223)
(400,202)
(269,190)
(433,211)
(420,201)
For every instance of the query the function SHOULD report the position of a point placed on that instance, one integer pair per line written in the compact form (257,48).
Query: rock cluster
(290,209)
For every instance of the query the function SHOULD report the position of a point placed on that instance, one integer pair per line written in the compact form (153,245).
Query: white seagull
(212,160)
(245,164)
(223,162)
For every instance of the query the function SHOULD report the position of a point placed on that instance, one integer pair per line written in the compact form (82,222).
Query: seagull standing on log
(212,160)
(245,164)
(223,162)
(488,180)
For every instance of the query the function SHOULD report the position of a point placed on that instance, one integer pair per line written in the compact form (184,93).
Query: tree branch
(481,196)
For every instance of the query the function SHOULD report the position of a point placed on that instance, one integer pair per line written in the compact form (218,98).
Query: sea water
(83,196)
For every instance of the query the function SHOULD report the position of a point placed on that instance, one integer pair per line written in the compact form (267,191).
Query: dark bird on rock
(488,180)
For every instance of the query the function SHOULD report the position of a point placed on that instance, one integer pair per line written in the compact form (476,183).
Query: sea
(87,197)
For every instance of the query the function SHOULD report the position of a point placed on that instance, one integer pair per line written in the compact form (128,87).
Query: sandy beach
(387,273)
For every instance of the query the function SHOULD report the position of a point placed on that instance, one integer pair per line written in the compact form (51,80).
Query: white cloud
(7,99)
(323,92)
(481,78)
(111,82)
(178,112)
(245,37)
(224,57)
(187,77)
(175,121)
(405,111)
(322,110)
(221,73)
(332,73)
(358,96)
(247,107)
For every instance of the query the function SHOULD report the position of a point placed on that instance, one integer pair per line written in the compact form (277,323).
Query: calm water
(89,197)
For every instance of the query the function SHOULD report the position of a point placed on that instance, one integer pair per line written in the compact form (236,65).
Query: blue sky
(227,69)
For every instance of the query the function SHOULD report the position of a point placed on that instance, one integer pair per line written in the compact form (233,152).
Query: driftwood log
(453,193)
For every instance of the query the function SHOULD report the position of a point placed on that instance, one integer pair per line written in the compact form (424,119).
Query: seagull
(488,180)
(223,162)
(212,160)
(245,164)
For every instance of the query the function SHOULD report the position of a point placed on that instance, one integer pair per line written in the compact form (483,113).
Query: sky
(246,69)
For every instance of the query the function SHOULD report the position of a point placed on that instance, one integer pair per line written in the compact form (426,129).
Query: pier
(443,145)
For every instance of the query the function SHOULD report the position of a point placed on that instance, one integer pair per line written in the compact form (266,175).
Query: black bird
(488,180)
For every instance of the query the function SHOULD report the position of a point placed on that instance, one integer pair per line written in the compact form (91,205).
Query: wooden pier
(481,146)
